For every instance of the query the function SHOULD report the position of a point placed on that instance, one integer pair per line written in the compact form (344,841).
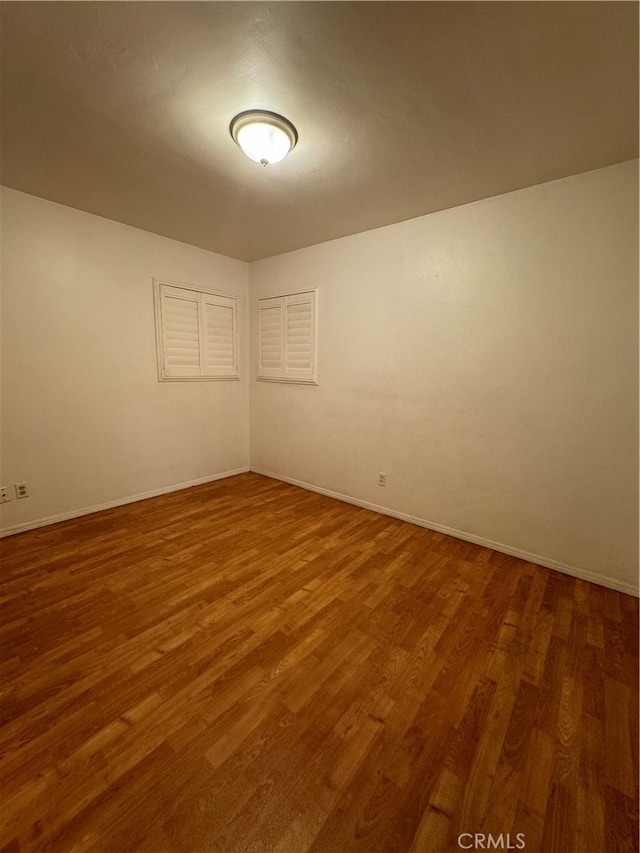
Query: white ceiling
(123,109)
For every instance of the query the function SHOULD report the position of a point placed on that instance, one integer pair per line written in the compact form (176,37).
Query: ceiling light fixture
(264,136)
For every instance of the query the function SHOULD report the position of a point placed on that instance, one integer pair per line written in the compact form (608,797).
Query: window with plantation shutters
(196,334)
(287,346)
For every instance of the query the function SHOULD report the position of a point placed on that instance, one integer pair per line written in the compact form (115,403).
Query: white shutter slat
(219,336)
(181,338)
(270,334)
(299,341)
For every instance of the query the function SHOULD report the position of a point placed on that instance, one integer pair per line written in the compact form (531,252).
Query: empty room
(319,427)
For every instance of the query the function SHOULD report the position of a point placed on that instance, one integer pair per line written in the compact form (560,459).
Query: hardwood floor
(246,667)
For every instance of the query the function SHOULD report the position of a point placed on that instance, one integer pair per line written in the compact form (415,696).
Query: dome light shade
(264,136)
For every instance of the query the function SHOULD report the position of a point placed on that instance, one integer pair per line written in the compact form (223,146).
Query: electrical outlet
(22,490)
(382,479)
(5,495)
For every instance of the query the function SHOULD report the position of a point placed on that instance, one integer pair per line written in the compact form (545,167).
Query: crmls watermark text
(487,841)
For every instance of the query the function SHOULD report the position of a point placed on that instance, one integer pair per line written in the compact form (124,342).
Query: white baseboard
(77,513)
(574,571)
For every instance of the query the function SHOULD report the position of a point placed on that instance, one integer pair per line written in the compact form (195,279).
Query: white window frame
(284,374)
(161,286)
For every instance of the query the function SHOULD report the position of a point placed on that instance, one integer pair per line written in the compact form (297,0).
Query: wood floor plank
(248,667)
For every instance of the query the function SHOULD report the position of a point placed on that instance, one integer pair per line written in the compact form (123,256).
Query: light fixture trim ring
(266,116)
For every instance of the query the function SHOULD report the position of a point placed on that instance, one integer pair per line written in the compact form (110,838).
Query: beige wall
(84,419)
(485,358)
